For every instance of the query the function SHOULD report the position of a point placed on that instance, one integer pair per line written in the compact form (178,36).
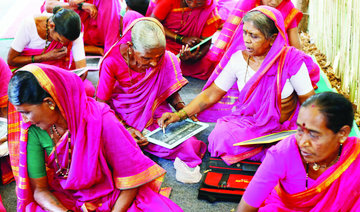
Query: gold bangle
(185,114)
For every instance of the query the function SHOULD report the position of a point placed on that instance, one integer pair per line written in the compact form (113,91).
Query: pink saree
(105,29)
(101,165)
(257,107)
(139,104)
(337,189)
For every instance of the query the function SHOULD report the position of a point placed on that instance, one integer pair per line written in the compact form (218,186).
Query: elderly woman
(272,79)
(66,155)
(139,79)
(100,18)
(186,23)
(54,40)
(315,170)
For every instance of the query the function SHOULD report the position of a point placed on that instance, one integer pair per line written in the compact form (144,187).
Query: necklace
(182,22)
(316,166)
(129,72)
(61,172)
(47,43)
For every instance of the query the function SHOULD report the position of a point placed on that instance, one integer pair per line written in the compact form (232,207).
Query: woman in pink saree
(100,19)
(54,40)
(315,170)
(273,79)
(87,168)
(186,24)
(139,79)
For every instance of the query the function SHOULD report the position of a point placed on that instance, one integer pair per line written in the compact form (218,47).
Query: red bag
(221,182)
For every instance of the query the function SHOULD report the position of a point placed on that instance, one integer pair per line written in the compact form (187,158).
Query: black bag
(221,182)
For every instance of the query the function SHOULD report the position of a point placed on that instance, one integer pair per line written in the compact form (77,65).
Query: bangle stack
(80,5)
(33,58)
(182,114)
(179,38)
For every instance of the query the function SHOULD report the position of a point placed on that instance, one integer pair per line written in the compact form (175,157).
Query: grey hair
(263,23)
(147,35)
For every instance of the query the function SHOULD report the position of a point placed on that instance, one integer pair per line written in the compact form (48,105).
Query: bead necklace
(247,66)
(61,172)
(316,166)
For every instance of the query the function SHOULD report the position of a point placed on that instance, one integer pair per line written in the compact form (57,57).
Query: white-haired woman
(139,79)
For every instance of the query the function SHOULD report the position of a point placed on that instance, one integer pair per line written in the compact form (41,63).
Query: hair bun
(57,9)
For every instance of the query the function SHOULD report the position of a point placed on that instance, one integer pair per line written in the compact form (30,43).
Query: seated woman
(273,80)
(315,170)
(139,79)
(6,173)
(186,23)
(100,18)
(66,154)
(54,40)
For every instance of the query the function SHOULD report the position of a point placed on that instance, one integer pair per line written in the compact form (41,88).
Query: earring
(342,141)
(52,107)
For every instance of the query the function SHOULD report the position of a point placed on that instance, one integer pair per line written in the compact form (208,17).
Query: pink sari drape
(91,181)
(337,189)
(105,29)
(140,104)
(5,75)
(258,105)
(65,62)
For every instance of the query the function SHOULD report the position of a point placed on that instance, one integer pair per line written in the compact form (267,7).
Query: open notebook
(267,139)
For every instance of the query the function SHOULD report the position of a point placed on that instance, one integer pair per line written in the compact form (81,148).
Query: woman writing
(186,23)
(140,80)
(315,170)
(66,156)
(272,79)
(54,40)
(100,19)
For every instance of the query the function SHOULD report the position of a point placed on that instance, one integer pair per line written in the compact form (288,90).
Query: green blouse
(39,141)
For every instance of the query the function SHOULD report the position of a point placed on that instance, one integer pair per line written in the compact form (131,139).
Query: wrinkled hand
(138,136)
(91,9)
(191,41)
(186,54)
(56,54)
(167,118)
(74,3)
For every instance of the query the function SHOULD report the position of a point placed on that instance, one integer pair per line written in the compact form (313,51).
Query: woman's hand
(55,54)
(191,41)
(167,118)
(91,9)
(187,55)
(138,136)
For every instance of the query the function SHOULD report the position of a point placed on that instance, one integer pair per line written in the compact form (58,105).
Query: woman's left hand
(138,136)
(91,9)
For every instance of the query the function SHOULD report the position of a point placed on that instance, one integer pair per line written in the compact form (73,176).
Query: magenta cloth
(282,163)
(140,104)
(101,165)
(258,104)
(5,74)
(105,29)
(337,189)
